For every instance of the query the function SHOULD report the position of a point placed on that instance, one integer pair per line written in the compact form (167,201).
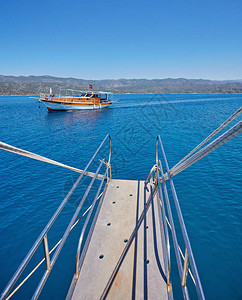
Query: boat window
(103,96)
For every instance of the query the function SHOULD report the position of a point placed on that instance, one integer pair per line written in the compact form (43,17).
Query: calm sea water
(209,192)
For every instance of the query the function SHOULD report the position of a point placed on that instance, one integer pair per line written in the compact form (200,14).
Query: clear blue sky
(122,39)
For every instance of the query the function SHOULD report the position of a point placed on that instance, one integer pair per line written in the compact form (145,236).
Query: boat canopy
(86,92)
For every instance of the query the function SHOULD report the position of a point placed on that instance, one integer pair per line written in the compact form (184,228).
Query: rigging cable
(9,148)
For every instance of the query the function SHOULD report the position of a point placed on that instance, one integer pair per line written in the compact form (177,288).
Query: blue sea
(209,191)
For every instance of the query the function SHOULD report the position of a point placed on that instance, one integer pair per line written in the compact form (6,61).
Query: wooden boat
(82,100)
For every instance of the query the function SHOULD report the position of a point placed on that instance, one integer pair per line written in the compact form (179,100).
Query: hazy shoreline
(35,85)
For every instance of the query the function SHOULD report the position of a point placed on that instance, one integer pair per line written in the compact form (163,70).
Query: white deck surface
(124,272)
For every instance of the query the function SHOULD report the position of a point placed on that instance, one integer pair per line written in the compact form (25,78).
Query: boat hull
(57,106)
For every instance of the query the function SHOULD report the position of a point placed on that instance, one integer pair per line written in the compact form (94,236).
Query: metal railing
(189,260)
(81,254)
(43,236)
(91,228)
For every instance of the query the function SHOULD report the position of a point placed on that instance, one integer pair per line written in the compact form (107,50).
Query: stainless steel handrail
(188,253)
(173,230)
(43,236)
(167,255)
(57,251)
(85,226)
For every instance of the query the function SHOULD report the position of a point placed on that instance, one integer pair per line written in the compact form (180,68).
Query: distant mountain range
(31,85)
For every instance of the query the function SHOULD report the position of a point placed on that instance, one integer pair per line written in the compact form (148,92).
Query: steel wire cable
(9,148)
